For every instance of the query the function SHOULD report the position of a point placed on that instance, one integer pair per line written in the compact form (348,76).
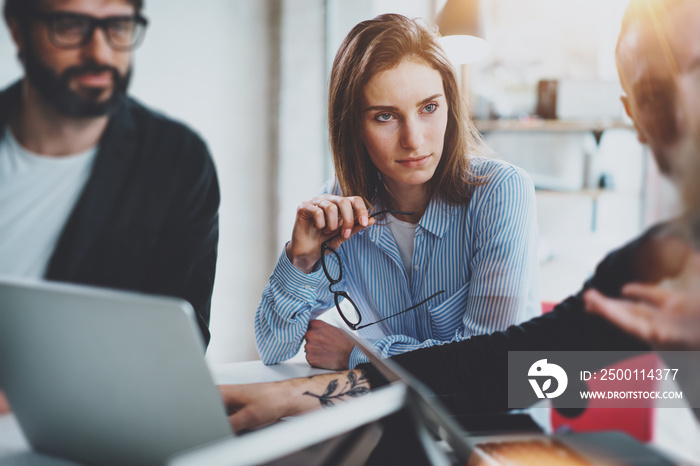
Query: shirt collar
(437,217)
(435,220)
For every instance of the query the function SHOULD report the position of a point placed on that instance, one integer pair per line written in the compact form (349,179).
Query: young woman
(454,256)
(471,376)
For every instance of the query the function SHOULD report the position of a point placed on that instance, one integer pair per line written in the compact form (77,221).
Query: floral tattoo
(353,388)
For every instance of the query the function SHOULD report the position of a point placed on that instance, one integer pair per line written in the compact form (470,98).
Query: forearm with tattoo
(353,387)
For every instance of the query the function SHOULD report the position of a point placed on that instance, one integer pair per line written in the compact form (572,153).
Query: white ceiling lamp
(459,23)
(463,50)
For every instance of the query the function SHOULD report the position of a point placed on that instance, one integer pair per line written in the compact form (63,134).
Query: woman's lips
(414,162)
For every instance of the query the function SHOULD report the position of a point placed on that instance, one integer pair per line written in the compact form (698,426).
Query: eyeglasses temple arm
(405,310)
(400,212)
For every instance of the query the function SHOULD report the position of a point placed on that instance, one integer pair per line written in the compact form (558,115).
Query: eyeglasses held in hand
(72,30)
(354,319)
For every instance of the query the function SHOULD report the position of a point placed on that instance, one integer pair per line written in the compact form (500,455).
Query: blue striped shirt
(483,254)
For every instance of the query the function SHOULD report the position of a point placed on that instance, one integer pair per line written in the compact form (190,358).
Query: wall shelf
(597,127)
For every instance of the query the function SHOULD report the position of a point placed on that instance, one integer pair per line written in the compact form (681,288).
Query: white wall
(304,157)
(208,66)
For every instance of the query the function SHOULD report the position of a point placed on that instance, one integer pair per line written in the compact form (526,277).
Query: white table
(256,371)
(673,433)
(12,441)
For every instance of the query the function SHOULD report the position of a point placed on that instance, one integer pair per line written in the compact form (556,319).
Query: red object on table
(637,422)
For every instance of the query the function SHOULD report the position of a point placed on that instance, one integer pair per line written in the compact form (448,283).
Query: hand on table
(327,347)
(4,406)
(254,405)
(321,219)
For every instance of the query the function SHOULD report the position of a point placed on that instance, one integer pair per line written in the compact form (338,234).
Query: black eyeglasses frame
(51,19)
(325,248)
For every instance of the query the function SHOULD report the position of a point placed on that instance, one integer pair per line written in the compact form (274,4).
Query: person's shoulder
(158,125)
(493,175)
(9,99)
(165,142)
(149,118)
(623,264)
(331,186)
(650,234)
(10,91)
(490,170)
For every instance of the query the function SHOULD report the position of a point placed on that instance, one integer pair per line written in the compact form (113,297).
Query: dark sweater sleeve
(471,376)
(184,260)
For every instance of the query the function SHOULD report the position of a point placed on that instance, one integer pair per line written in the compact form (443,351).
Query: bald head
(658,52)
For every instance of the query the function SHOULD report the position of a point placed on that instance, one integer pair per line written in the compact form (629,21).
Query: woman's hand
(327,347)
(320,219)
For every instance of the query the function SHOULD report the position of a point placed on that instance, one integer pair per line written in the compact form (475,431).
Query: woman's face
(404,121)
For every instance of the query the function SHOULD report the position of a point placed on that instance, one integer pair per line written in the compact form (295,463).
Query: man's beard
(55,89)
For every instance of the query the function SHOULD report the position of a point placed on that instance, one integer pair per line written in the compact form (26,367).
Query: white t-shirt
(37,194)
(403,233)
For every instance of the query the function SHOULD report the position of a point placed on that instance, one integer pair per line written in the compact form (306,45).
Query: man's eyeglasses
(353,318)
(72,30)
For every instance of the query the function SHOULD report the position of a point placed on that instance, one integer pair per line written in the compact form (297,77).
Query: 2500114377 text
(630,374)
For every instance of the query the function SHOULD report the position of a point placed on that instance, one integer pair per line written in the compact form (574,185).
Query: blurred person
(666,313)
(452,251)
(657,73)
(95,188)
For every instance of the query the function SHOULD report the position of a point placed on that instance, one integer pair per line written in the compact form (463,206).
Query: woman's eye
(430,108)
(384,117)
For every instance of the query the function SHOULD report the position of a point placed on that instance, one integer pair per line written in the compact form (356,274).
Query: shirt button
(308,287)
(416,267)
